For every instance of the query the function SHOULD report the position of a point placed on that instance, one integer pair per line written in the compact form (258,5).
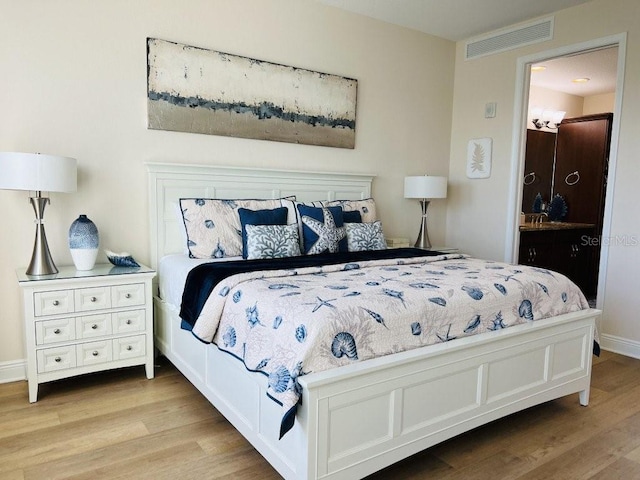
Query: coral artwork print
(479,158)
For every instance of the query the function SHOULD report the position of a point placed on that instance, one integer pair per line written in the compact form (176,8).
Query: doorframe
(520,110)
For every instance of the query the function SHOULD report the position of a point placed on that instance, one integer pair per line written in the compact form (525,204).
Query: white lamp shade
(558,116)
(37,172)
(425,186)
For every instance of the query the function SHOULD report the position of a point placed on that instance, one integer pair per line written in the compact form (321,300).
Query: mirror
(558,86)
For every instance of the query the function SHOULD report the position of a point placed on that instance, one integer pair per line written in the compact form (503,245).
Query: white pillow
(366,207)
(213,225)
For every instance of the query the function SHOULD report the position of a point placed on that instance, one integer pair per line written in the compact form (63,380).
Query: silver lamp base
(423,237)
(41,261)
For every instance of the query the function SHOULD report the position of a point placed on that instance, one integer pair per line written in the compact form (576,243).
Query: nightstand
(79,322)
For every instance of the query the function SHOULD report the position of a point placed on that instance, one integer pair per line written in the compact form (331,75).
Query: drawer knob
(58,359)
(93,299)
(56,303)
(57,331)
(128,322)
(94,327)
(95,353)
(129,347)
(128,295)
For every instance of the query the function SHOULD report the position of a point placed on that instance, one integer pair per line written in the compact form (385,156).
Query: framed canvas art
(191,89)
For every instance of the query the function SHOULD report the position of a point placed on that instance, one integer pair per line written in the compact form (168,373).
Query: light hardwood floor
(120,425)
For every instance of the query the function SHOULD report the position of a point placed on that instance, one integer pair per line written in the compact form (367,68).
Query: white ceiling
(462,19)
(599,66)
(453,19)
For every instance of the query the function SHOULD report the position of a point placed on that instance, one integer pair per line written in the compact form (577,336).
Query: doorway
(528,95)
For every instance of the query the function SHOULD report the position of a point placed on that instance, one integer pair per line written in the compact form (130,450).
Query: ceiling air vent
(503,40)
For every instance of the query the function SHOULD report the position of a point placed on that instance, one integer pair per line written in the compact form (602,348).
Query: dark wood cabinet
(538,167)
(581,159)
(567,251)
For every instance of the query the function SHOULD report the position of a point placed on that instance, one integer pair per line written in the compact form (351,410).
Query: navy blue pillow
(352,216)
(322,235)
(276,216)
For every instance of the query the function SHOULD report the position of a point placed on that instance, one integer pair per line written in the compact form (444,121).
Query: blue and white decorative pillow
(275,216)
(213,225)
(272,241)
(322,230)
(365,236)
(352,216)
(366,207)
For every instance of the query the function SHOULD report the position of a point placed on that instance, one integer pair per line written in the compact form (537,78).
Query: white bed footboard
(359,419)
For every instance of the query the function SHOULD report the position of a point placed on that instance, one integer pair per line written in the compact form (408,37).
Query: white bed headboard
(168,182)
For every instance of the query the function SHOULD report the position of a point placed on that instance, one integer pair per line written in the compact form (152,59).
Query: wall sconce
(424,187)
(546,118)
(38,173)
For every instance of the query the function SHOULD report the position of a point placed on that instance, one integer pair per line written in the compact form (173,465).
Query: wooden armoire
(572,163)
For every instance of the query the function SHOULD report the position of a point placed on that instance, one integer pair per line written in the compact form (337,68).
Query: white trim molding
(623,346)
(13,371)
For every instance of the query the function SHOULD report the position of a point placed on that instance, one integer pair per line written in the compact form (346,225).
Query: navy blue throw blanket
(203,278)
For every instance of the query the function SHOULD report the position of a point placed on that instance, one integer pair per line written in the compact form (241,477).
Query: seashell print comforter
(291,322)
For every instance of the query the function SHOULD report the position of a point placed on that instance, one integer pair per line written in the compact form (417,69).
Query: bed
(359,418)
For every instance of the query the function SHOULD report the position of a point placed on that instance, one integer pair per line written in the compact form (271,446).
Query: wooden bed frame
(358,419)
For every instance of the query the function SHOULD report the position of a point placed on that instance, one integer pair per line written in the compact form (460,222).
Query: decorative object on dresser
(123,259)
(38,173)
(557,208)
(82,322)
(83,242)
(425,188)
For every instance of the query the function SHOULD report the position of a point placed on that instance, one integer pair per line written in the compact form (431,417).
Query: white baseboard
(13,371)
(623,346)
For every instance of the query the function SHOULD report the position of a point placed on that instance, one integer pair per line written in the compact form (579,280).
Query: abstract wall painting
(190,89)
(479,158)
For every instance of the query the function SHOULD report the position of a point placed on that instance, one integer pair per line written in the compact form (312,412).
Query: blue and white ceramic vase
(83,243)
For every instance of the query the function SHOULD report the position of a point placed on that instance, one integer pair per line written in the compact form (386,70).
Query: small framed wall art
(479,158)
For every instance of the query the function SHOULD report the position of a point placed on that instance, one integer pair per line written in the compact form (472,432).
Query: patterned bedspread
(288,323)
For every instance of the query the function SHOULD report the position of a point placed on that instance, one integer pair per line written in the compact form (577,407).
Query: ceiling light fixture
(581,80)
(538,68)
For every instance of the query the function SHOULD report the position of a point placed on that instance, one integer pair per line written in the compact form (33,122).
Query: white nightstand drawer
(93,325)
(60,358)
(94,352)
(125,322)
(52,331)
(52,303)
(129,347)
(92,299)
(127,295)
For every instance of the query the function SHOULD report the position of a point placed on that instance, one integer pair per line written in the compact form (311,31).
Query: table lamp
(38,173)
(425,188)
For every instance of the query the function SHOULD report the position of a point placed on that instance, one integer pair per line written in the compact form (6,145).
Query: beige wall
(554,100)
(599,103)
(477,209)
(74,83)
